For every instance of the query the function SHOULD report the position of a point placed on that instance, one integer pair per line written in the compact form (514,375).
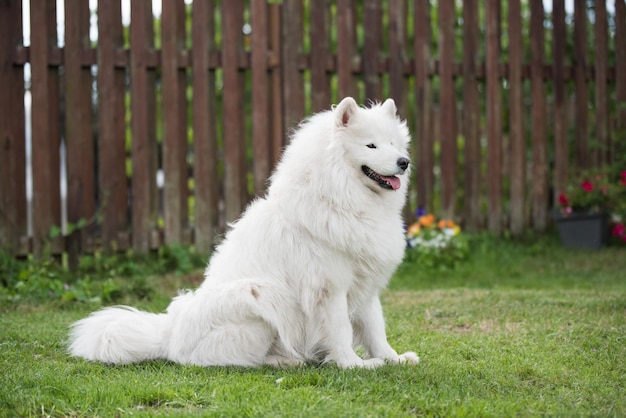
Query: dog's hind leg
(233,323)
(242,344)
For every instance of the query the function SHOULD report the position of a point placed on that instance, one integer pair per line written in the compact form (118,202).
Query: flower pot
(583,231)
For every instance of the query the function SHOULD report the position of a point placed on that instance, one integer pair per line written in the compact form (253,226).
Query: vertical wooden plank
(372,22)
(600,155)
(142,126)
(447,113)
(204,123)
(494,130)
(276,110)
(346,23)
(319,34)
(561,151)
(12,135)
(45,145)
(620,82)
(538,116)
(78,126)
(423,145)
(174,122)
(580,78)
(397,53)
(293,82)
(261,140)
(234,144)
(516,123)
(112,168)
(471,117)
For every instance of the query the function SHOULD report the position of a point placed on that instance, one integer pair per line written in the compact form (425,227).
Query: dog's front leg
(338,331)
(374,337)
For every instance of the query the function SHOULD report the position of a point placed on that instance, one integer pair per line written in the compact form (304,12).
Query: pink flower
(623,178)
(586,186)
(618,230)
(563,200)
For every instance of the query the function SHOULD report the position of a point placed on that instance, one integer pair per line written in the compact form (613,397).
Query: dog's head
(376,143)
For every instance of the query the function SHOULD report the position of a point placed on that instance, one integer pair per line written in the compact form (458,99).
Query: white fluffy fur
(297,278)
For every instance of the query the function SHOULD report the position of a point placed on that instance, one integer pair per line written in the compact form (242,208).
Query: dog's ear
(345,111)
(390,107)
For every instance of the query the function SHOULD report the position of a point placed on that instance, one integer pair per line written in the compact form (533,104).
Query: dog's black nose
(403,163)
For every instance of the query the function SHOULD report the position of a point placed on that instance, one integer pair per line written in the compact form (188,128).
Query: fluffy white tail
(119,335)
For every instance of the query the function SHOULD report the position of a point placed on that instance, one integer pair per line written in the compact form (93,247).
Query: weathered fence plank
(372,44)
(471,118)
(620,82)
(78,128)
(175,191)
(398,54)
(424,142)
(12,135)
(261,139)
(276,106)
(144,146)
(561,149)
(319,40)
(111,135)
(45,128)
(600,153)
(494,125)
(233,123)
(538,115)
(447,109)
(205,161)
(346,28)
(581,88)
(517,136)
(293,80)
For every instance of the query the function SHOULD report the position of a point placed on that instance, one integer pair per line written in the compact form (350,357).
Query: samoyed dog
(297,279)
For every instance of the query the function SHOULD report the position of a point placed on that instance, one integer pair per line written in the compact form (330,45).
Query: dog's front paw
(408,358)
(371,363)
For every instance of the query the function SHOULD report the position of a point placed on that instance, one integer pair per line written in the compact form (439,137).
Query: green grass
(522,329)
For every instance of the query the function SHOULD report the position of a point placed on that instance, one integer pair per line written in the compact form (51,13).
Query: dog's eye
(371,146)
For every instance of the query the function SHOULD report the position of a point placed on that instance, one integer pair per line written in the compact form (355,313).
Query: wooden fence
(503,108)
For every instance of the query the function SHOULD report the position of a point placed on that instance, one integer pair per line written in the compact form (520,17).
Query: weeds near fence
(98,278)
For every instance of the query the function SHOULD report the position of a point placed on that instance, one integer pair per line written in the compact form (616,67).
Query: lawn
(518,329)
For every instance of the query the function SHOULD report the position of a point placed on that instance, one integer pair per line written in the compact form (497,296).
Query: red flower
(563,200)
(618,230)
(586,186)
(623,178)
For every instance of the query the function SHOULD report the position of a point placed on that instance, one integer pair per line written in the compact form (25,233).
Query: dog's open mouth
(386,182)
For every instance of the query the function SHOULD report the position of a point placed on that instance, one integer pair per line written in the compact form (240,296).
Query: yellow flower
(414,229)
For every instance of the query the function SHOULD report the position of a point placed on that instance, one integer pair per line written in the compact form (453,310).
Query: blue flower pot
(583,231)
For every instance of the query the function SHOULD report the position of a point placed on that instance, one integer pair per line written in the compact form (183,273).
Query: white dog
(297,278)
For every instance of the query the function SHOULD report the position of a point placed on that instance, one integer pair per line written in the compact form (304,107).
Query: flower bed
(436,243)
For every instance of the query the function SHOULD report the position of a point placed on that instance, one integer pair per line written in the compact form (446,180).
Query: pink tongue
(393,180)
